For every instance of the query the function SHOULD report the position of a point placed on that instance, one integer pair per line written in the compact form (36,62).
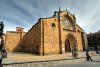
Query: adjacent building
(93,40)
(53,35)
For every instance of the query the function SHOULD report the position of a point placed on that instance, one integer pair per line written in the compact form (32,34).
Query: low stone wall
(46,63)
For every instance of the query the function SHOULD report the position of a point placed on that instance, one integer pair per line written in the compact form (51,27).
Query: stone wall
(51,36)
(79,38)
(31,42)
(13,41)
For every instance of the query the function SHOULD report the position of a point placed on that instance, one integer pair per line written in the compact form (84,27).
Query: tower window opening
(78,31)
(53,25)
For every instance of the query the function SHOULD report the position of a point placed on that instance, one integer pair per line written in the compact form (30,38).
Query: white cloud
(12,27)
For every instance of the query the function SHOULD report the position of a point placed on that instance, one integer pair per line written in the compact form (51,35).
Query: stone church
(52,35)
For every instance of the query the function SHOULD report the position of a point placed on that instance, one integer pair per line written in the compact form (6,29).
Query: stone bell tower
(19,29)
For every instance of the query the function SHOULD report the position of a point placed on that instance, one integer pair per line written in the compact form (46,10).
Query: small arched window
(53,25)
(78,31)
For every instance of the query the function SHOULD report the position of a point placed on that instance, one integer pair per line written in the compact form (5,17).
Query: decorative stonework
(66,24)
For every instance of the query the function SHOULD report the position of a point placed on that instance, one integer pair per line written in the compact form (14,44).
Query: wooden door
(67,46)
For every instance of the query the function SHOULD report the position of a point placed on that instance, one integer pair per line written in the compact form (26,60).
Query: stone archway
(72,40)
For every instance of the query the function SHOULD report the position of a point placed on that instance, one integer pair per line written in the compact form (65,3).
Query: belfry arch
(69,42)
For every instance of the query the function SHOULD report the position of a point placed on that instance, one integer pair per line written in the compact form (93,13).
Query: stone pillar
(41,50)
(42,39)
(63,46)
(59,23)
(74,22)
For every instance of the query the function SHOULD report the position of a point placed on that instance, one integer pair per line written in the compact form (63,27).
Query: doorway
(67,46)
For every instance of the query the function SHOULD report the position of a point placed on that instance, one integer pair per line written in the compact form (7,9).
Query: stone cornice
(68,30)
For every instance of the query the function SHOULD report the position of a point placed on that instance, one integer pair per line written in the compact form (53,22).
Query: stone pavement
(20,59)
(94,63)
(20,56)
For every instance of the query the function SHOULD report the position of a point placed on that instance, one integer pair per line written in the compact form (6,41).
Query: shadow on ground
(34,54)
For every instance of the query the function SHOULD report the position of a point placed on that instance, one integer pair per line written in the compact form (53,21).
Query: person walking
(88,56)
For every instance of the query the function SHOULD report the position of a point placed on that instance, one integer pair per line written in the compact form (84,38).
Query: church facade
(53,35)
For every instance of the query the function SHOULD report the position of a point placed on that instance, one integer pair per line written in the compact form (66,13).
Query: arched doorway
(67,46)
(69,42)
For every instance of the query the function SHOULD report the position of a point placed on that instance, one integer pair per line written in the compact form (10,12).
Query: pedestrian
(88,56)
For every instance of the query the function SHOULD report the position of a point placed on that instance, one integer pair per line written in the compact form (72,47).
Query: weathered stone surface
(15,65)
(4,66)
(49,62)
(44,64)
(56,63)
(9,66)
(23,65)
(37,64)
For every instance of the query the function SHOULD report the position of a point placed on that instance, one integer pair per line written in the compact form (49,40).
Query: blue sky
(25,13)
